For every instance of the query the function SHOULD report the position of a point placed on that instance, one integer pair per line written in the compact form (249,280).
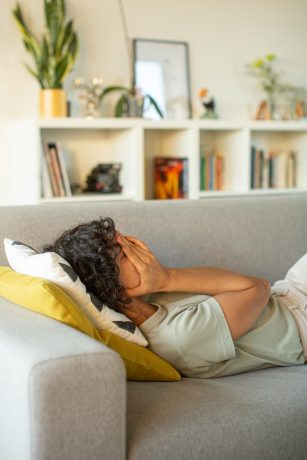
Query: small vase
(272,101)
(52,103)
(135,106)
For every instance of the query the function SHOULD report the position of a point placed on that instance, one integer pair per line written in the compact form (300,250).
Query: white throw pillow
(51,266)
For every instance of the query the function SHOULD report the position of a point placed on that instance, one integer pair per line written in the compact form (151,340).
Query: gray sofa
(64,396)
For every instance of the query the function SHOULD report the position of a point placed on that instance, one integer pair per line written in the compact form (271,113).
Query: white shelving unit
(135,143)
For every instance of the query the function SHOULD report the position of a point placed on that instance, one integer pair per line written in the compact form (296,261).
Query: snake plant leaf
(62,6)
(72,52)
(64,37)
(73,46)
(43,62)
(47,12)
(34,74)
(153,102)
(60,70)
(121,105)
(30,47)
(54,19)
(29,40)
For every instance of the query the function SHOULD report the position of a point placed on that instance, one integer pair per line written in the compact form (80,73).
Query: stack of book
(171,177)
(273,169)
(55,180)
(211,171)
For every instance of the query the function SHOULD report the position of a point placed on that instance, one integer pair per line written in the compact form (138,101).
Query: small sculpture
(208,104)
(91,93)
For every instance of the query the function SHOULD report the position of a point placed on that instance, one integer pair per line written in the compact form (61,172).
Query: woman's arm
(156,277)
(242,298)
(207,280)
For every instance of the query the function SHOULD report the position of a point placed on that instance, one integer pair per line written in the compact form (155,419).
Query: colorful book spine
(212,171)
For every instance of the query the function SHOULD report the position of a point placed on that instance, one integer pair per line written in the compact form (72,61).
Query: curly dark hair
(91,249)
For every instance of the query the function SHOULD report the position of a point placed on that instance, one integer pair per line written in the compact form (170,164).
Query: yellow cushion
(48,299)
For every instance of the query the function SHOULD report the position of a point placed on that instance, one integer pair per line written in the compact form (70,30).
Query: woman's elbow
(265,284)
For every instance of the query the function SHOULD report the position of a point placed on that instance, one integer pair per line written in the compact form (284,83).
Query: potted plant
(131,103)
(54,55)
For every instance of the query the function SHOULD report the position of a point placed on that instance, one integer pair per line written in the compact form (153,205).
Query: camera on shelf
(104,178)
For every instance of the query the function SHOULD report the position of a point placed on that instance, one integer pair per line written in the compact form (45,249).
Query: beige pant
(292,291)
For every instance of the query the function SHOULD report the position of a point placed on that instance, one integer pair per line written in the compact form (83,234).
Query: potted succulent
(54,55)
(131,103)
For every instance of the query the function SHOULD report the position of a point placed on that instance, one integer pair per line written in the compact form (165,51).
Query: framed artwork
(161,69)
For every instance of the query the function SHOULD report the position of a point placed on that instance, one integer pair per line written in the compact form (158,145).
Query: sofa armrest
(62,393)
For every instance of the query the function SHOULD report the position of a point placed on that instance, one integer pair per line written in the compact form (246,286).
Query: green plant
(121,107)
(269,79)
(55,53)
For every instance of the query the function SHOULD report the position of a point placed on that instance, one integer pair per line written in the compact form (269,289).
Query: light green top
(191,333)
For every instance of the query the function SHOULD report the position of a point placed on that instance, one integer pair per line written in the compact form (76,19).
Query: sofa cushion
(51,266)
(255,415)
(44,297)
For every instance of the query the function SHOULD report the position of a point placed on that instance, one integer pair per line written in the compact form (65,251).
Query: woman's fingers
(140,249)
(134,253)
(140,243)
(133,243)
(130,253)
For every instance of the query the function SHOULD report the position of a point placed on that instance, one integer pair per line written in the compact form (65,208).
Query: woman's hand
(153,275)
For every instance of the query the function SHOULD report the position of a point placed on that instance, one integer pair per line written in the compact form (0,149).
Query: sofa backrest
(258,236)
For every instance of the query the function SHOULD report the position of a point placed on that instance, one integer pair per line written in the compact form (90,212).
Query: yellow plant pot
(52,103)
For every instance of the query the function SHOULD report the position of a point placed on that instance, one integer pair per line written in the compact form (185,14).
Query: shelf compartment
(231,144)
(165,143)
(284,141)
(84,149)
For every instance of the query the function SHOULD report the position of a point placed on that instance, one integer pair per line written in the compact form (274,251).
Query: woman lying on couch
(205,321)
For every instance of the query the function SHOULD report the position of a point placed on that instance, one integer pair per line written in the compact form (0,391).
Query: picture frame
(161,69)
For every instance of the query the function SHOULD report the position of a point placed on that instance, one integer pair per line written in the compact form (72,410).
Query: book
(170,177)
(55,182)
(281,169)
(52,152)
(212,171)
(271,165)
(294,176)
(46,190)
(202,172)
(185,177)
(291,170)
(51,172)
(261,164)
(63,170)
(265,171)
(273,169)
(219,172)
(256,169)
(252,168)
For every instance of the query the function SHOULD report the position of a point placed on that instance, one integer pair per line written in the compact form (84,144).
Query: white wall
(223,36)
